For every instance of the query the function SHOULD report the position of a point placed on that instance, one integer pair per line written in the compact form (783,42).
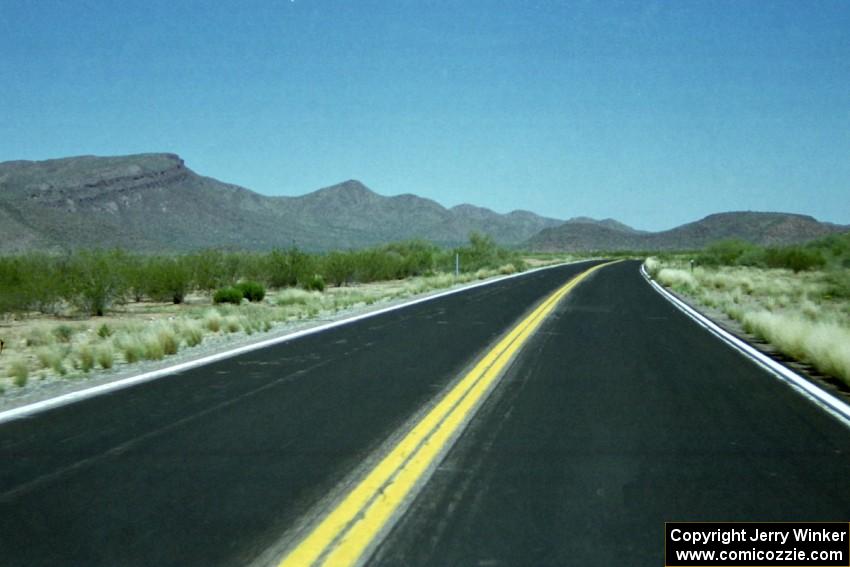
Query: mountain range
(766,229)
(153,202)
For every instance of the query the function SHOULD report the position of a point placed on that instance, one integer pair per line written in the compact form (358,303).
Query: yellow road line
(348,530)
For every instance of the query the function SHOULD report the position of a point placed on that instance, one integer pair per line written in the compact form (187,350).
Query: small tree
(95,280)
(170,279)
(338,268)
(208,269)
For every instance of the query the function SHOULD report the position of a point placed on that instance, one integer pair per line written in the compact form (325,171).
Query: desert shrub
(374,264)
(677,279)
(135,272)
(104,331)
(209,269)
(131,347)
(724,253)
(418,257)
(39,336)
(838,284)
(63,333)
(252,291)
(823,344)
(86,357)
(314,283)
(169,279)
(482,253)
(279,270)
(168,339)
(19,371)
(796,258)
(212,320)
(52,357)
(295,296)
(95,280)
(338,267)
(32,282)
(104,355)
(288,268)
(152,346)
(231,324)
(228,295)
(192,332)
(652,266)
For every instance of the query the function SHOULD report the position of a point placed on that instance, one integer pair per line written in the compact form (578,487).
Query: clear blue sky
(654,113)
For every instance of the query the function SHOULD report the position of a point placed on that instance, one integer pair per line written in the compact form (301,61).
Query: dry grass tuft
(105,355)
(796,312)
(19,371)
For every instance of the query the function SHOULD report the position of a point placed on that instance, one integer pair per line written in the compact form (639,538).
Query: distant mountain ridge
(763,228)
(152,202)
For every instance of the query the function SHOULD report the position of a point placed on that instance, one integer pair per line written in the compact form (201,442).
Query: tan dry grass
(57,347)
(793,312)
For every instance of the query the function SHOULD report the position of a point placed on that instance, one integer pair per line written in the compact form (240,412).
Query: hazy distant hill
(154,202)
(756,227)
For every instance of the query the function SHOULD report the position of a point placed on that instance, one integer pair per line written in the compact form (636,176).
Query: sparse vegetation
(795,297)
(19,371)
(86,356)
(203,292)
(105,355)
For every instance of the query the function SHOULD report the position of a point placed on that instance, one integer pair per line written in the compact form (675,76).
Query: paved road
(211,466)
(618,414)
(622,414)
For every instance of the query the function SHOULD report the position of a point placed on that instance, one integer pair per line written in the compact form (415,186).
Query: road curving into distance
(527,422)
(622,414)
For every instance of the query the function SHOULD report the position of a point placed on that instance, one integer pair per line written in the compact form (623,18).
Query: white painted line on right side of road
(823,399)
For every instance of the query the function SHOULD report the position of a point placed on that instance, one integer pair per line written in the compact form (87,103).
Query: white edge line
(833,405)
(72,397)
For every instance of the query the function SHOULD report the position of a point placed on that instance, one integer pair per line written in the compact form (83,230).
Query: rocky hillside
(154,202)
(759,228)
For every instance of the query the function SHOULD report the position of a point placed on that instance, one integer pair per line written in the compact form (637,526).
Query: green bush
(33,282)
(228,295)
(169,279)
(728,253)
(339,267)
(208,269)
(796,258)
(315,283)
(481,253)
(96,280)
(252,291)
(288,268)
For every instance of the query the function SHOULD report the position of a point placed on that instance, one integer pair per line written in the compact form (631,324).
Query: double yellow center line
(351,528)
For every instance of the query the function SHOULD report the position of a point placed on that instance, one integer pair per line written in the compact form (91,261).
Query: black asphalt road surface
(619,415)
(212,466)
